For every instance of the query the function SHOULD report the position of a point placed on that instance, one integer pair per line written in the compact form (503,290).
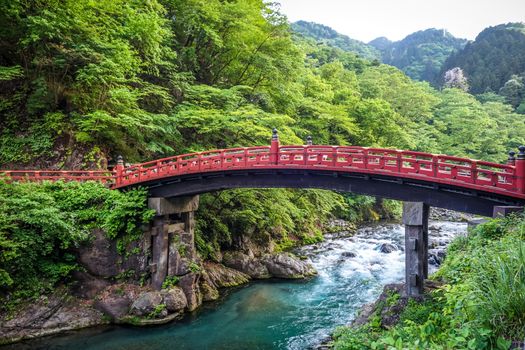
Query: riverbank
(110,278)
(281,314)
(78,255)
(474,301)
(87,305)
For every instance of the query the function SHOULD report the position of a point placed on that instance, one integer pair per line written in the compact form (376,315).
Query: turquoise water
(270,314)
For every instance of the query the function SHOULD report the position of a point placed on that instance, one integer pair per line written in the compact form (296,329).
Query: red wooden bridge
(375,171)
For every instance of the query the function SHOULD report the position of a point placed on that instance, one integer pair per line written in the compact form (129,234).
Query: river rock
(146,303)
(174,299)
(114,306)
(115,300)
(208,290)
(49,315)
(348,255)
(285,265)
(434,228)
(441,214)
(432,260)
(246,264)
(222,276)
(388,312)
(190,285)
(387,248)
(100,257)
(87,286)
(436,256)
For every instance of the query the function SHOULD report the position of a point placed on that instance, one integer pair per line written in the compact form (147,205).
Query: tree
(514,90)
(455,78)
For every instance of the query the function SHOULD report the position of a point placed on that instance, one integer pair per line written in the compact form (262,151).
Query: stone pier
(415,219)
(172,239)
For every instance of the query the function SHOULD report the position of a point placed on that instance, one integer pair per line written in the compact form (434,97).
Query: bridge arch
(392,187)
(456,183)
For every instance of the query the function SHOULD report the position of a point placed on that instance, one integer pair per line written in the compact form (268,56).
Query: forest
(493,63)
(83,81)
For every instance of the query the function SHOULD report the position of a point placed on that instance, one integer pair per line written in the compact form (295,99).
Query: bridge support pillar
(503,211)
(415,219)
(172,237)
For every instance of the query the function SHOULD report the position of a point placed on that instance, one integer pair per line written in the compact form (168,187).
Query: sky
(368,19)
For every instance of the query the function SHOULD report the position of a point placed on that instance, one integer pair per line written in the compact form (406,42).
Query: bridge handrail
(439,168)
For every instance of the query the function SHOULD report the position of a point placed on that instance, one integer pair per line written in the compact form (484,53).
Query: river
(275,314)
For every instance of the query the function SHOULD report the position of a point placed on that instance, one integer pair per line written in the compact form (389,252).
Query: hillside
(492,59)
(421,54)
(330,37)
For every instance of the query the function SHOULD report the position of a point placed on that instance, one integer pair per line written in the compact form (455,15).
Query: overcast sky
(368,19)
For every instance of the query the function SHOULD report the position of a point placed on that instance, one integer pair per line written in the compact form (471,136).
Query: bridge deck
(502,179)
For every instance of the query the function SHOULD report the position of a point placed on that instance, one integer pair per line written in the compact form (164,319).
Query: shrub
(170,281)
(41,224)
(500,287)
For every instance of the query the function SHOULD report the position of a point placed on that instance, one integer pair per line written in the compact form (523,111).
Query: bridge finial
(120,160)
(521,155)
(309,140)
(275,135)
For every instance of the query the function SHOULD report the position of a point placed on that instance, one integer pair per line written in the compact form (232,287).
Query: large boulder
(174,299)
(47,315)
(146,303)
(190,285)
(387,248)
(115,300)
(100,257)
(348,254)
(114,306)
(436,256)
(208,289)
(246,264)
(222,276)
(286,265)
(87,286)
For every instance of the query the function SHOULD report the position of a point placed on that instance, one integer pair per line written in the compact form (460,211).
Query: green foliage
(481,307)
(500,286)
(42,224)
(104,65)
(170,281)
(157,311)
(285,216)
(423,326)
(514,90)
(236,43)
(194,267)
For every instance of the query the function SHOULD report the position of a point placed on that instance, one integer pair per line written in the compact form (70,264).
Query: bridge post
(274,147)
(415,219)
(520,170)
(119,169)
(172,238)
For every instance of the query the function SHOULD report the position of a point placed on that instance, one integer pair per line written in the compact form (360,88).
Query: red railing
(506,179)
